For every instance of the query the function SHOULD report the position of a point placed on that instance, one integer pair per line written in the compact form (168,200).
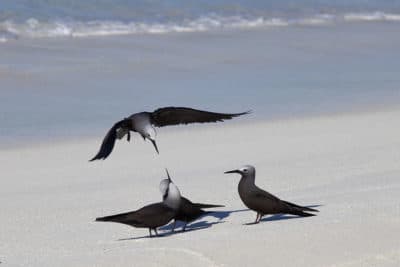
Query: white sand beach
(346,164)
(322,78)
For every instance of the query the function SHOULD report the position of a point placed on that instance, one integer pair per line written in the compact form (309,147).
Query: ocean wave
(33,28)
(374,16)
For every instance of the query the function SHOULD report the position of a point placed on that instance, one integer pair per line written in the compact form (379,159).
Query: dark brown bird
(263,202)
(153,215)
(189,211)
(144,123)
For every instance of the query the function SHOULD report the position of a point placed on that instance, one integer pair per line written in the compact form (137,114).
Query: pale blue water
(71,68)
(177,10)
(55,18)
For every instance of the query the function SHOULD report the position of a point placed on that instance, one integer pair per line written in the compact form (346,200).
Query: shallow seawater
(69,87)
(75,18)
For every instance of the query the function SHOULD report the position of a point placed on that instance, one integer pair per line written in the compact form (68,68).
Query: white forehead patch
(244,168)
(247,168)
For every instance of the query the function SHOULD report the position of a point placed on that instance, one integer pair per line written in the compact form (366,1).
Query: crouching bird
(263,202)
(153,215)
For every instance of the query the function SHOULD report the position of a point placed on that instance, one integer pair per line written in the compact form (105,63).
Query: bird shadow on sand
(167,230)
(194,226)
(284,216)
(220,215)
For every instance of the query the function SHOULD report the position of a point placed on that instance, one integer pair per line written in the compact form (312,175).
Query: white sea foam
(374,16)
(33,28)
(322,19)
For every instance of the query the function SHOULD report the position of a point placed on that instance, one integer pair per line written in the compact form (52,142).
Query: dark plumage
(180,115)
(109,140)
(189,211)
(144,122)
(153,215)
(150,216)
(263,202)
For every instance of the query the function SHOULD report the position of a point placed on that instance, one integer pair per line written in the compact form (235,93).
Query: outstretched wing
(108,142)
(180,115)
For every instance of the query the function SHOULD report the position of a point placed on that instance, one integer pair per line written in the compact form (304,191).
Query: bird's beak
(155,145)
(169,177)
(233,171)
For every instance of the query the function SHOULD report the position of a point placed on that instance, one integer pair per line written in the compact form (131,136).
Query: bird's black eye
(245,170)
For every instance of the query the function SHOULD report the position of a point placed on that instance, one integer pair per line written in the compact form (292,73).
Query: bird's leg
(259,218)
(184,227)
(150,232)
(128,137)
(173,227)
(256,219)
(155,230)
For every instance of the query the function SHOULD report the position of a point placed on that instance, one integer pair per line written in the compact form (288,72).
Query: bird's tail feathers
(292,205)
(119,218)
(301,213)
(206,206)
(113,218)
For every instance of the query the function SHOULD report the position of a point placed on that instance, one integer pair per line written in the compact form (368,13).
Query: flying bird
(153,215)
(263,202)
(189,211)
(144,123)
